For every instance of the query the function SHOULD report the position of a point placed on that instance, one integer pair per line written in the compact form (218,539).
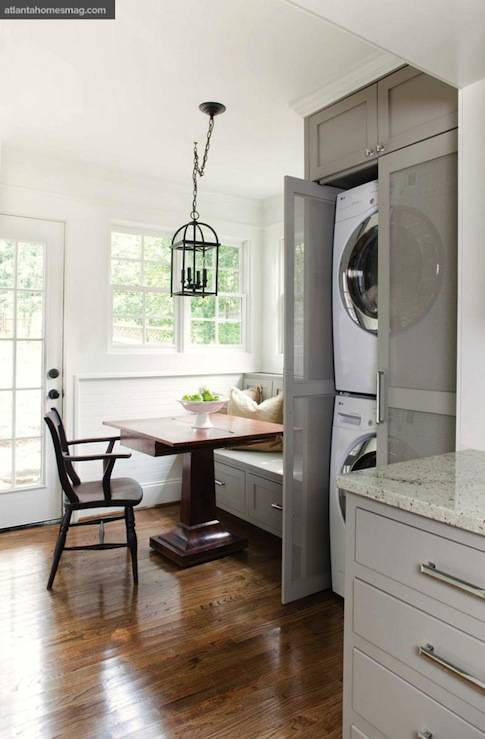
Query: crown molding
(359,76)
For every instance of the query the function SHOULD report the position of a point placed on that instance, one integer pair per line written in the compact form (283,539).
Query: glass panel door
(308,386)
(417,299)
(30,344)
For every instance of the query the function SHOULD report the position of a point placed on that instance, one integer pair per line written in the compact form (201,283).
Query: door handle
(379,403)
(53,373)
(53,394)
(219,483)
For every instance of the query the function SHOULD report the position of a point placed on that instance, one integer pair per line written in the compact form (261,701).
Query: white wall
(271,285)
(471,285)
(89,201)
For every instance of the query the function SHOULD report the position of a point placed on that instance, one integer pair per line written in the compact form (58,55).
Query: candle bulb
(204,277)
(189,276)
(182,276)
(198,278)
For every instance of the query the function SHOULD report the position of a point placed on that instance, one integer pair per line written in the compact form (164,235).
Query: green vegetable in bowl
(205,395)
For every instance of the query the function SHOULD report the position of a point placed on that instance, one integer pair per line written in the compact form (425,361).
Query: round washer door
(358,274)
(362,456)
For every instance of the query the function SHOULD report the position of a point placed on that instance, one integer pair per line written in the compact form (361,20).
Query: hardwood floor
(203,652)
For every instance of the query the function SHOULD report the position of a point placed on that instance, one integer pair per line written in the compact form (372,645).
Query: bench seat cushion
(268,464)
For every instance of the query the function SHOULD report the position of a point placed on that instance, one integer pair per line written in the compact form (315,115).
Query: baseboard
(154,493)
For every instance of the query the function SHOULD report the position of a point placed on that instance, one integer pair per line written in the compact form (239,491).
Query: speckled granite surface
(449,488)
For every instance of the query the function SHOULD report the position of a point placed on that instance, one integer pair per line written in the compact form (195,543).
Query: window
(144,314)
(219,320)
(142,309)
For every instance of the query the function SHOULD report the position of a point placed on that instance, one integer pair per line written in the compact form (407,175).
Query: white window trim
(182,343)
(243,294)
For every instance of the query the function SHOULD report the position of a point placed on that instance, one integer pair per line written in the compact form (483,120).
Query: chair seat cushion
(124,491)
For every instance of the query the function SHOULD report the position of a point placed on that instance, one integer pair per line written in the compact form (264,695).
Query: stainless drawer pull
(431,570)
(428,651)
(219,483)
(425,734)
(277,506)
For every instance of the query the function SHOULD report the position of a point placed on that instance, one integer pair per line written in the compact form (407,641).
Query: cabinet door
(412,106)
(308,386)
(343,135)
(417,300)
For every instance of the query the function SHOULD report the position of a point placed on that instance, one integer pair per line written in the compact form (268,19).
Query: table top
(177,431)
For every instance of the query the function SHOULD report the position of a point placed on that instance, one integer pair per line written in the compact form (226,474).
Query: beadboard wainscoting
(99,398)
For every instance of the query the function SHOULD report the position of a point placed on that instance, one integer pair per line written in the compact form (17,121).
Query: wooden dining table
(199,536)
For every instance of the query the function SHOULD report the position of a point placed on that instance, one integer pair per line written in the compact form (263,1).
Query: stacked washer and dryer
(355,260)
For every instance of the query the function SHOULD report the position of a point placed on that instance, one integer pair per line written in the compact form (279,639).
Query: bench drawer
(397,709)
(400,630)
(463,567)
(265,500)
(230,489)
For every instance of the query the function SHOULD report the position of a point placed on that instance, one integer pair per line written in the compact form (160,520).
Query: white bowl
(202,409)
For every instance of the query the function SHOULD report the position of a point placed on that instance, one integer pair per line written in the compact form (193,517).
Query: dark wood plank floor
(197,653)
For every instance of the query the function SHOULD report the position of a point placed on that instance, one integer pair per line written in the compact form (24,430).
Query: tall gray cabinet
(417,301)
(402,130)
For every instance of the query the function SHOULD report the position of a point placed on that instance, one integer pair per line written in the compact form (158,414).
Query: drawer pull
(425,734)
(277,506)
(431,570)
(428,652)
(219,483)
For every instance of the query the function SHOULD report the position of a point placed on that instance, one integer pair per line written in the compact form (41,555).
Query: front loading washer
(353,448)
(354,285)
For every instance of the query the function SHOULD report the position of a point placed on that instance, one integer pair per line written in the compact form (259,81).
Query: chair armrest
(94,457)
(93,440)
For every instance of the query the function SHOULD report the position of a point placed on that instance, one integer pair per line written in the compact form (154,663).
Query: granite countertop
(449,488)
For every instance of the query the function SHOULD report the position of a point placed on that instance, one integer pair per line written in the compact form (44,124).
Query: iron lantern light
(195,245)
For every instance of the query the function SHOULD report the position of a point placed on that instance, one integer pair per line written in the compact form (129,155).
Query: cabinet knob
(426,734)
(53,373)
(53,394)
(369,152)
(380,147)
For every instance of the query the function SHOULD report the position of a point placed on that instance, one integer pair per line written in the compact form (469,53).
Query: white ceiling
(443,37)
(124,94)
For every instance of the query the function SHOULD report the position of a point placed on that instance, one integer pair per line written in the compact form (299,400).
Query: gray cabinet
(405,107)
(417,301)
(343,135)
(412,106)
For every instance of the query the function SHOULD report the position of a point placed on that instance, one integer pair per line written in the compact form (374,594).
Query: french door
(418,235)
(31,317)
(308,385)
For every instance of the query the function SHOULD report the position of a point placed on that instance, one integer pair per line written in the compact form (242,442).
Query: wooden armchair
(122,492)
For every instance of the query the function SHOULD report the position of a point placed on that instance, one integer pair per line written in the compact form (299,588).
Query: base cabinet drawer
(397,709)
(265,503)
(421,641)
(440,568)
(230,489)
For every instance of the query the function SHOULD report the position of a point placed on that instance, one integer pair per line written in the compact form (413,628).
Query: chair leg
(61,541)
(132,540)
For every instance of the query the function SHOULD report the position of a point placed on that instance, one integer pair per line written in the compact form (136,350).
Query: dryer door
(362,456)
(358,274)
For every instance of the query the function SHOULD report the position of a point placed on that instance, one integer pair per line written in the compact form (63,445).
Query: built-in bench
(250,484)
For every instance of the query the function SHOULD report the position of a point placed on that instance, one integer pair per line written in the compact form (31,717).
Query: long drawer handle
(431,570)
(277,506)
(428,652)
(219,483)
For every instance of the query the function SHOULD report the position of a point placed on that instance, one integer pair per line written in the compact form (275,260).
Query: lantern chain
(198,171)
